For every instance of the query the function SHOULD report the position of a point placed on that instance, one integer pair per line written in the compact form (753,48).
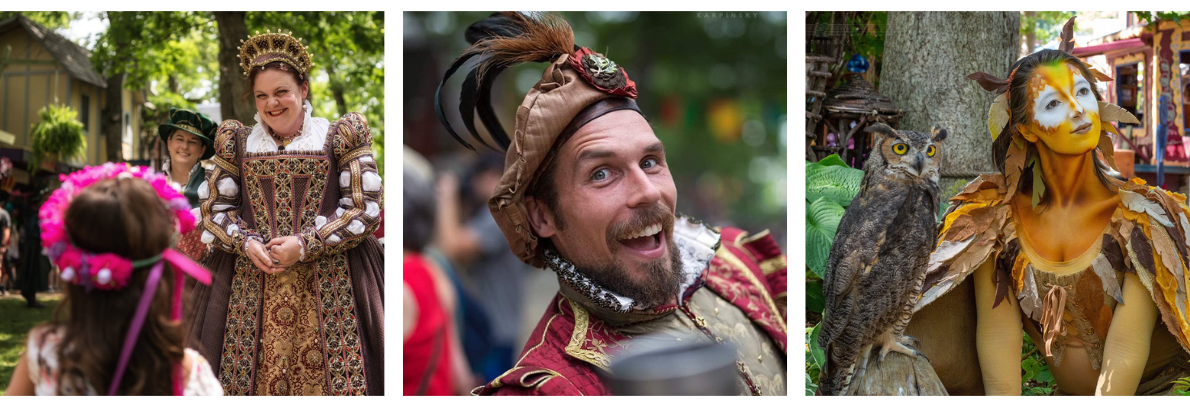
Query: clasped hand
(276,255)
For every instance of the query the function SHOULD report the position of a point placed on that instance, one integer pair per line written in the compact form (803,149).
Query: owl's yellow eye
(930,151)
(900,148)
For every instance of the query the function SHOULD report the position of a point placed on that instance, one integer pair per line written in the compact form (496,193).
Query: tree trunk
(336,85)
(927,56)
(897,375)
(232,84)
(112,125)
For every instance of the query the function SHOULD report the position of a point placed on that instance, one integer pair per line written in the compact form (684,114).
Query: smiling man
(587,192)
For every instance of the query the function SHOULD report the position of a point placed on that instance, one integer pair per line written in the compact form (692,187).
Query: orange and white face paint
(1065,111)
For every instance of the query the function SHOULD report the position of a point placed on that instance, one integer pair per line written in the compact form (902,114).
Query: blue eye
(649,163)
(600,175)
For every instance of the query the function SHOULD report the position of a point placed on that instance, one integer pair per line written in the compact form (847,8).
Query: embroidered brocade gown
(316,328)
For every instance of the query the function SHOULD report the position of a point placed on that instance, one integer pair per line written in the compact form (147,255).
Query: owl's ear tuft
(939,133)
(881,128)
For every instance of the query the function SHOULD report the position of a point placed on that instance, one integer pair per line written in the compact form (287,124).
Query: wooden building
(39,67)
(1147,62)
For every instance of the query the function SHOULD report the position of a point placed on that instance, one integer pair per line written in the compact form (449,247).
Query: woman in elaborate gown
(188,138)
(297,305)
(1092,268)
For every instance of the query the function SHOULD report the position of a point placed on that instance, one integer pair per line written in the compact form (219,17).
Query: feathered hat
(1000,115)
(576,87)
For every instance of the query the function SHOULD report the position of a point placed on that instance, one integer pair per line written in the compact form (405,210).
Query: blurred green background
(712,84)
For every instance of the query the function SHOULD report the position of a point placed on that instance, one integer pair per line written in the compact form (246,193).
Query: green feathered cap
(191,122)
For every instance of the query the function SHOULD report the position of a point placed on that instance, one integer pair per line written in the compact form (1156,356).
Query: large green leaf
(816,351)
(815,300)
(832,159)
(822,221)
(811,387)
(837,182)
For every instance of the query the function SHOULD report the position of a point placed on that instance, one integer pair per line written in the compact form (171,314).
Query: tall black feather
(438,98)
(476,94)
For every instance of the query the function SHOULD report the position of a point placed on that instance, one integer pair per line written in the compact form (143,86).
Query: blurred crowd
(469,303)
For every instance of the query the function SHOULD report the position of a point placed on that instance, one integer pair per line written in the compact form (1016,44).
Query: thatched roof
(856,95)
(73,57)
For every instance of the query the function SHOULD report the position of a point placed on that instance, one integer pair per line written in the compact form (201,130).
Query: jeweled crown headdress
(261,49)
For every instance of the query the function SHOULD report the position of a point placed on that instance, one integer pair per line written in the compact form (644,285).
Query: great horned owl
(877,263)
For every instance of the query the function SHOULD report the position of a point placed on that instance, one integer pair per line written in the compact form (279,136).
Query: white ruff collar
(313,135)
(696,244)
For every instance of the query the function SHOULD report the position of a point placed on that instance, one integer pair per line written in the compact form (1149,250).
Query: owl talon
(910,341)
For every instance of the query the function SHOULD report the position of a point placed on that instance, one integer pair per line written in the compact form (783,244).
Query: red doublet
(569,345)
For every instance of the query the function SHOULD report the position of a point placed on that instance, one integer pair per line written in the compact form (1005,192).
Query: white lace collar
(313,135)
(696,243)
(165,167)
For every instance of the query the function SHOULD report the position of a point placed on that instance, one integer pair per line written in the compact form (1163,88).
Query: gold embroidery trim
(496,382)
(743,239)
(773,264)
(579,337)
(357,153)
(357,185)
(226,166)
(735,261)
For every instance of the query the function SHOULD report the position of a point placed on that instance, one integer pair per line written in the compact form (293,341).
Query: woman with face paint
(1092,268)
(297,304)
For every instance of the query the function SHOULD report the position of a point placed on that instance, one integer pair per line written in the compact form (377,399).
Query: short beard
(658,285)
(661,280)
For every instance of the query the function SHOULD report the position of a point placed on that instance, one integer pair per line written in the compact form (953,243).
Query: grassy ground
(15,323)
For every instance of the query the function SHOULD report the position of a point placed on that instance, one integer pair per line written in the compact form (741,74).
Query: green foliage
(49,19)
(145,45)
(822,221)
(830,187)
(58,132)
(815,300)
(834,181)
(1046,25)
(815,358)
(1149,17)
(1181,387)
(1036,378)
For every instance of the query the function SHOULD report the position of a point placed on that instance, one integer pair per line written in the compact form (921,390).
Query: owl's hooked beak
(918,164)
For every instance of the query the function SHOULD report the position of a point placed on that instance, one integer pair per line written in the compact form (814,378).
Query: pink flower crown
(105,271)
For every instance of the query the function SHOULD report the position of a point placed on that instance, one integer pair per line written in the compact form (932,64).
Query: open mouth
(275,113)
(646,242)
(1082,129)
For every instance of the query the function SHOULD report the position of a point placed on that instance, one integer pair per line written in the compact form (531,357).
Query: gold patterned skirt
(315,329)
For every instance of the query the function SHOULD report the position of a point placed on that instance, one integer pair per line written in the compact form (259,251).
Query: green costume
(199,125)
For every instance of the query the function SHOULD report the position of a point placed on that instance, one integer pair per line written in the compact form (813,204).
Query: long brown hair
(127,218)
(1018,104)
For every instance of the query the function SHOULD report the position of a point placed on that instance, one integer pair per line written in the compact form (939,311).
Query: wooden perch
(897,375)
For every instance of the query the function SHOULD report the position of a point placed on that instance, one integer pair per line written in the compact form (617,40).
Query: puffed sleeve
(360,186)
(220,195)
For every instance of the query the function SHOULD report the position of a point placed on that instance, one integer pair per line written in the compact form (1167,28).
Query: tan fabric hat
(567,97)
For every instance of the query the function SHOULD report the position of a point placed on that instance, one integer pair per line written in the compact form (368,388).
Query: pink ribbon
(181,265)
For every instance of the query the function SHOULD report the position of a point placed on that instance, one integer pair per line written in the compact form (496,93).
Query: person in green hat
(188,137)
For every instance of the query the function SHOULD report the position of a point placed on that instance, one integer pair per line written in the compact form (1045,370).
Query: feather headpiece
(577,86)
